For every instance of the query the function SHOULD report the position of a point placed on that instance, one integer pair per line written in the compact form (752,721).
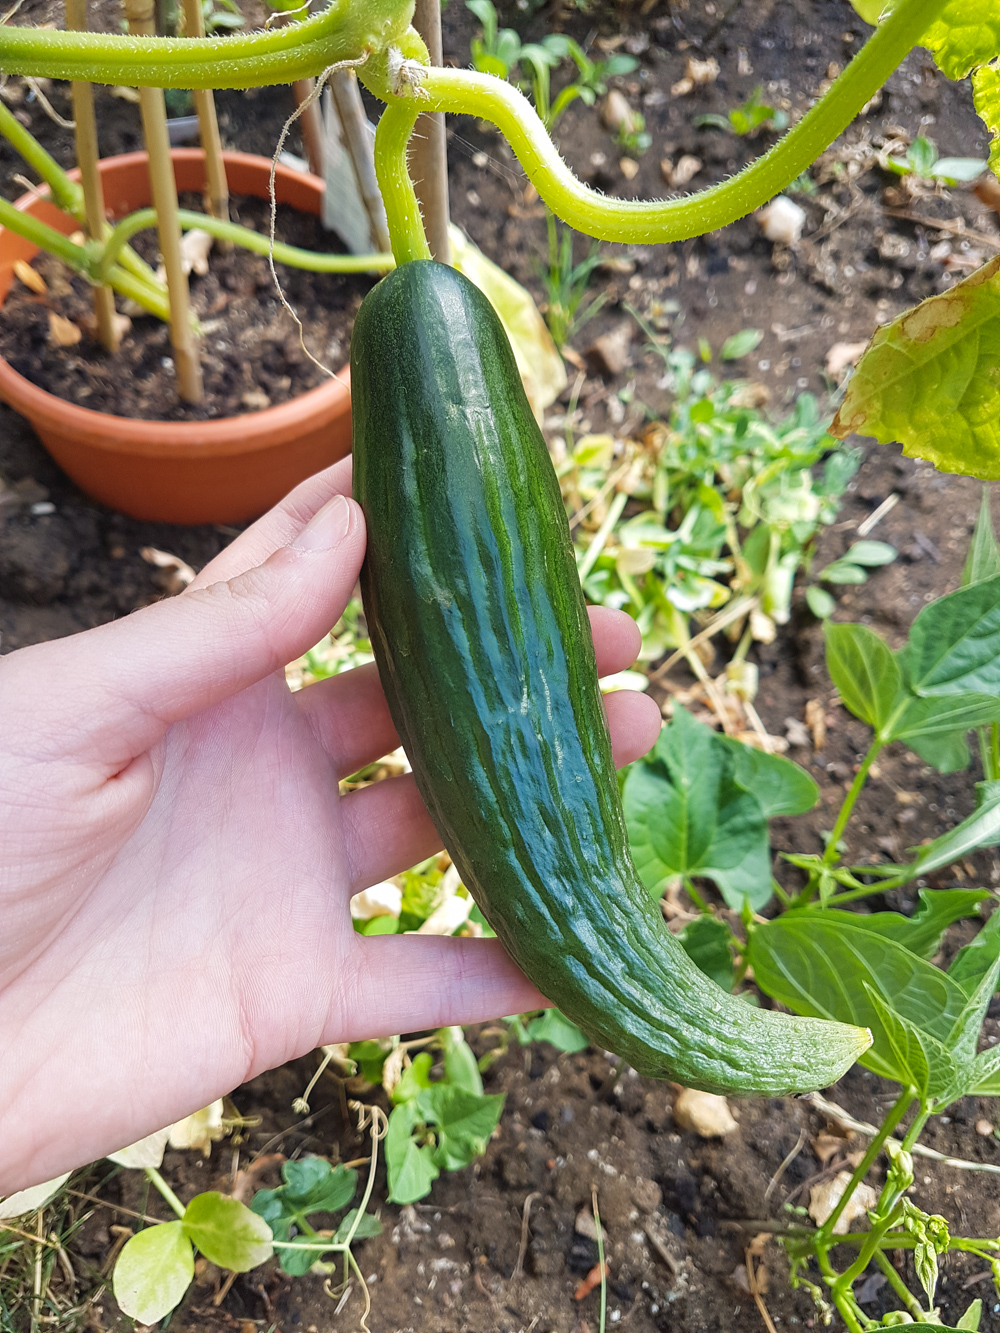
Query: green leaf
(555,1028)
(904,1040)
(820,603)
(460,1066)
(981,829)
(313,1186)
(922,932)
(986,92)
(975,959)
(463,1122)
(687,815)
(227,1232)
(928,382)
(414,1077)
(410,1166)
(819,964)
(964,1036)
(983,560)
(842,571)
(370,1056)
(970,1320)
(984,1079)
(779,786)
(367,1227)
(948,753)
(954,643)
(966,34)
(740,344)
(864,671)
(707,942)
(940,715)
(153,1272)
(871,554)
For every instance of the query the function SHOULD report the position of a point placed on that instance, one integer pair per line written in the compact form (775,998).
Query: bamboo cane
(428,156)
(310,123)
(217,192)
(139,14)
(90,179)
(356,135)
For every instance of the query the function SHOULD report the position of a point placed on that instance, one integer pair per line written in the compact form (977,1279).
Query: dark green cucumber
(483,645)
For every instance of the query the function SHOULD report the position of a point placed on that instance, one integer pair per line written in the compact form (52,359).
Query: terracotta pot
(220,471)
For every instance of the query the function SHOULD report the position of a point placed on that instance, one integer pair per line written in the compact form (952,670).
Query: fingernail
(327,528)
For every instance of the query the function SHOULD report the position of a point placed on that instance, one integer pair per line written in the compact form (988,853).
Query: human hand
(176,863)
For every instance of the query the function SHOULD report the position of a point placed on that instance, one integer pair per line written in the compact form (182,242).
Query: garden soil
(502,1247)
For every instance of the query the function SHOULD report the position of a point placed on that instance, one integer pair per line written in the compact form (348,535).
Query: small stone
(617,114)
(585,1225)
(629,168)
(255,400)
(782,221)
(985,1128)
(705,1113)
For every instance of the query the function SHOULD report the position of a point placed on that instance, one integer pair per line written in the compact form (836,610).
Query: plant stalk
(830,855)
(357,140)
(217,191)
(900,1108)
(310,123)
(155,1179)
(139,14)
(406,229)
(87,157)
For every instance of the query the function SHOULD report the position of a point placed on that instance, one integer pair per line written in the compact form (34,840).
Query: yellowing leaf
(30,1200)
(986,89)
(153,1272)
(199,1130)
(538,363)
(147,1152)
(929,380)
(30,277)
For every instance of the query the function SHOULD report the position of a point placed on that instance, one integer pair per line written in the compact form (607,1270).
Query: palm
(178,914)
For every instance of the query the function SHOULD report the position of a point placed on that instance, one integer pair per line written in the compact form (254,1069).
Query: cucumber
(480,631)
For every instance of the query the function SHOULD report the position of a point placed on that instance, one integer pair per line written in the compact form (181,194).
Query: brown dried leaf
(30,277)
(826,1145)
(816,722)
(63,332)
(177,572)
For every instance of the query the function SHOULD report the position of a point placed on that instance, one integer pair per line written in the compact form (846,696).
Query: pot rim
(236,435)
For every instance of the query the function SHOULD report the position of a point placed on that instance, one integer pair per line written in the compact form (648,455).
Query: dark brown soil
(679,1211)
(251,354)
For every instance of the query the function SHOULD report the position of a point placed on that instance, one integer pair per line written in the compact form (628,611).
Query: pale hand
(176,864)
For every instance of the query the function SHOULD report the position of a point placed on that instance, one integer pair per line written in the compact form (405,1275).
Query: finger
(386,830)
(121,685)
(350,716)
(634,722)
(279,526)
(434,982)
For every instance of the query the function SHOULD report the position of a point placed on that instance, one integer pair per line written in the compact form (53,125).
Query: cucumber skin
(483,644)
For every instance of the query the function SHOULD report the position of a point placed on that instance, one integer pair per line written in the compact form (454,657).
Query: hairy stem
(402,212)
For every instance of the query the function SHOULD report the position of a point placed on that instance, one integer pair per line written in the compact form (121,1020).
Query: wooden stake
(90,179)
(139,14)
(217,192)
(428,156)
(310,124)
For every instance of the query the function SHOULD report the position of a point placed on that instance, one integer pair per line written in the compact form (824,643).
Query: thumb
(109,693)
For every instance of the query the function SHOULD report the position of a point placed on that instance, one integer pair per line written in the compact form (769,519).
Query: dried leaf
(825,1196)
(178,573)
(825,1146)
(63,332)
(816,722)
(841,356)
(30,277)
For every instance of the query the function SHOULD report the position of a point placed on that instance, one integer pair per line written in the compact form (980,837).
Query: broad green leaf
(986,91)
(954,643)
(909,1056)
(964,1036)
(706,942)
(463,1122)
(227,1232)
(820,967)
(779,786)
(922,932)
(821,604)
(981,829)
(970,1320)
(984,1080)
(370,1057)
(414,1077)
(965,35)
(842,571)
(862,667)
(313,1186)
(974,960)
(460,1066)
(687,815)
(983,560)
(947,752)
(410,1166)
(940,715)
(928,382)
(368,1226)
(558,1031)
(153,1272)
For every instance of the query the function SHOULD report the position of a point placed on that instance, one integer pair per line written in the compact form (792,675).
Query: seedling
(921,160)
(747,119)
